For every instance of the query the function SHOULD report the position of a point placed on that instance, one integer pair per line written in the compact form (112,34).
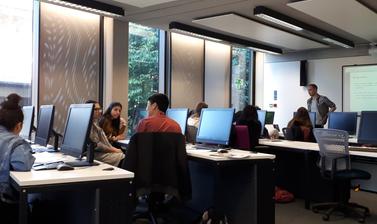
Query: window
(16,25)
(242,60)
(144,70)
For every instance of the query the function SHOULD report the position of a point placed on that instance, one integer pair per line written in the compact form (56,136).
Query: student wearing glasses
(103,151)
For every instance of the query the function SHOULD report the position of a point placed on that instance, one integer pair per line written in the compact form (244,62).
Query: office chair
(161,168)
(191,132)
(335,165)
(242,137)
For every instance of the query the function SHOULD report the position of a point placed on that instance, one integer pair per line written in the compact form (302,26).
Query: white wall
(284,77)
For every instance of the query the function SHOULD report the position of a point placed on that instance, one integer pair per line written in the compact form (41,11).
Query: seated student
(157,121)
(15,154)
(112,124)
(300,128)
(103,151)
(194,119)
(249,117)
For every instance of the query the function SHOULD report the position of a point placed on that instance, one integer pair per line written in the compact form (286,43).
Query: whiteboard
(359,88)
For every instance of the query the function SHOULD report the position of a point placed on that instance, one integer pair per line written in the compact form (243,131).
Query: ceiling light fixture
(210,35)
(91,6)
(291,23)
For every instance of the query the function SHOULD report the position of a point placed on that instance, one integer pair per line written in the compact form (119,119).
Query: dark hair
(11,113)
(313,85)
(199,107)
(114,122)
(301,118)
(161,100)
(249,113)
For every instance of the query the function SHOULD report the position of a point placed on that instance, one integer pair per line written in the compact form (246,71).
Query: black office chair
(160,164)
(335,165)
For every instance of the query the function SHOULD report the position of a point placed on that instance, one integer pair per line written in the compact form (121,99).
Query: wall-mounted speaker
(303,72)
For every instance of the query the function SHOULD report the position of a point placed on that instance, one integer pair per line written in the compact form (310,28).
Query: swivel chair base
(347,208)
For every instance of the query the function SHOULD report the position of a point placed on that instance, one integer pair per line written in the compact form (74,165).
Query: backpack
(211,216)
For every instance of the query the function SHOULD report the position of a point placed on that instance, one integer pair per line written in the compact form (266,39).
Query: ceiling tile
(238,25)
(348,15)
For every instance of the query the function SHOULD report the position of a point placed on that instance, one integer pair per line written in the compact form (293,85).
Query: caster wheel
(315,210)
(361,220)
(326,217)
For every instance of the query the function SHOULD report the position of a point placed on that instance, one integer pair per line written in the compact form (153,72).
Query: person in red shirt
(157,121)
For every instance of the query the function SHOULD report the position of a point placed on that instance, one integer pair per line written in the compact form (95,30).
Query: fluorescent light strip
(280,22)
(85,8)
(329,40)
(195,35)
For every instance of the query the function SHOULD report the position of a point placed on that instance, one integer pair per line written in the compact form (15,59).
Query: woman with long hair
(113,124)
(300,126)
(249,117)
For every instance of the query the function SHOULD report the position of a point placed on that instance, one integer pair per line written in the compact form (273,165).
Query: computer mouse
(222,150)
(64,167)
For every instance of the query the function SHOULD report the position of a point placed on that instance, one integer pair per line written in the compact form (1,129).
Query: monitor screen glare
(27,124)
(180,116)
(215,126)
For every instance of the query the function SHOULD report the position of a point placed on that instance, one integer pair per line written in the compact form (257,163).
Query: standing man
(319,104)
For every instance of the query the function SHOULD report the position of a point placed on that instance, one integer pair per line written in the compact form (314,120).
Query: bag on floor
(283,196)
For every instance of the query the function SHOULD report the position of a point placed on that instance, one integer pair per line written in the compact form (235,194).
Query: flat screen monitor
(45,124)
(312,116)
(77,128)
(180,116)
(27,124)
(215,125)
(346,121)
(262,119)
(270,117)
(368,128)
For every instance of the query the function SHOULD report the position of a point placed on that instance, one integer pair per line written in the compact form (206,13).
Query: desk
(102,183)
(242,188)
(307,179)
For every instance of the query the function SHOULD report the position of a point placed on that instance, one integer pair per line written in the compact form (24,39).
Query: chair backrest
(159,161)
(191,132)
(293,133)
(333,149)
(242,137)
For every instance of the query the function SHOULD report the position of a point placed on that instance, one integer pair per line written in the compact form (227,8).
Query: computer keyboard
(207,147)
(362,149)
(47,166)
(39,148)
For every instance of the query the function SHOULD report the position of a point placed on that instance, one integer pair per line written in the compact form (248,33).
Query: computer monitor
(368,128)
(262,119)
(215,125)
(45,124)
(180,116)
(77,128)
(343,121)
(312,116)
(27,124)
(270,117)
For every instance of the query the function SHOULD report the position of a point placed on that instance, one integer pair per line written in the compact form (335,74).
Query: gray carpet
(295,213)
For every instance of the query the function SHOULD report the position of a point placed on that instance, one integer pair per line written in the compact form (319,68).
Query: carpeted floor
(295,213)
